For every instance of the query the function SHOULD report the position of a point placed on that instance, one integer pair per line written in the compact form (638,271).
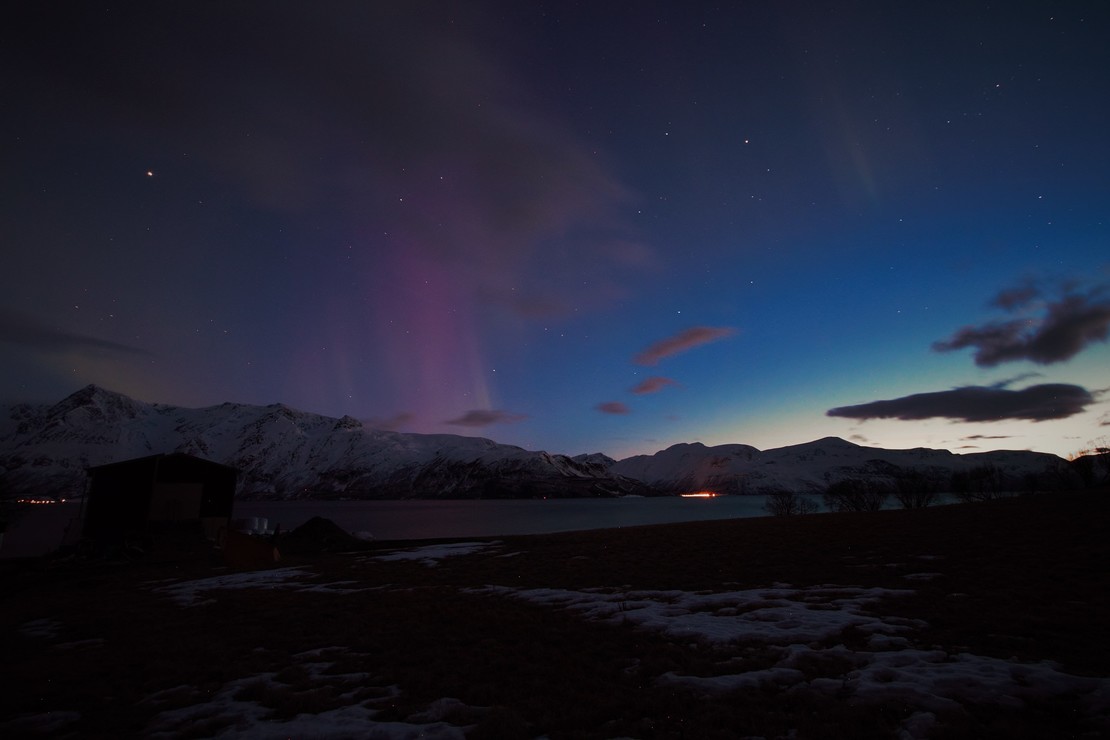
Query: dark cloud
(485,417)
(26,332)
(681,342)
(1066,327)
(988,436)
(613,407)
(978,403)
(654,384)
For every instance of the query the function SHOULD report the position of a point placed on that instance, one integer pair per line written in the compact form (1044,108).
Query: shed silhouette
(134,496)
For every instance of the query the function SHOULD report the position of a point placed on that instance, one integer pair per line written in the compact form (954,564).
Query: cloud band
(978,403)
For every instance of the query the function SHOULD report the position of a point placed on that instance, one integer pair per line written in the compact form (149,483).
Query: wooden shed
(135,496)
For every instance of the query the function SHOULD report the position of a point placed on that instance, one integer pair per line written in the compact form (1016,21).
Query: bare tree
(855,494)
(914,490)
(1092,464)
(981,483)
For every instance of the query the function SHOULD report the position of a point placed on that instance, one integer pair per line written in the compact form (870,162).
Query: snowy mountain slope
(280,452)
(812,466)
(691,467)
(595,459)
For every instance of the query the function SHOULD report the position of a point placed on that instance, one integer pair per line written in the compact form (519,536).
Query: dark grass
(1025,578)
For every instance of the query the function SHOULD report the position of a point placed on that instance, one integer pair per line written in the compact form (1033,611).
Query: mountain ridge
(281,452)
(286,453)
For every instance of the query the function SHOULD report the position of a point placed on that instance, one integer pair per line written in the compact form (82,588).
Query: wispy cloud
(654,384)
(978,403)
(613,407)
(483,189)
(15,328)
(392,423)
(683,341)
(1064,327)
(485,417)
(1012,299)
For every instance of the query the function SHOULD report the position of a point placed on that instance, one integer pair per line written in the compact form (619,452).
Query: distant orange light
(700,494)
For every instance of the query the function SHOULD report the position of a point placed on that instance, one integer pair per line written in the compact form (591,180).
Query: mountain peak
(89,392)
(834,442)
(92,395)
(825,443)
(348,422)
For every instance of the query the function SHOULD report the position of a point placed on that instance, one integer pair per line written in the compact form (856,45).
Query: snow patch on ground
(186,593)
(430,555)
(45,628)
(801,622)
(249,719)
(936,680)
(44,724)
(234,711)
(932,680)
(776,615)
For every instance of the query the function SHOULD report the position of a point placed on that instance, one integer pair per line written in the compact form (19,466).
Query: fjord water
(42,528)
(424,519)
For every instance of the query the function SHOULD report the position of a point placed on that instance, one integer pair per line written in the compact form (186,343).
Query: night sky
(576,227)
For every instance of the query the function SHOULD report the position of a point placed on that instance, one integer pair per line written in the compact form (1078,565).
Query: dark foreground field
(978,620)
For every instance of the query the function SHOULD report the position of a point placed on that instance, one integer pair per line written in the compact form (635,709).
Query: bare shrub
(788,503)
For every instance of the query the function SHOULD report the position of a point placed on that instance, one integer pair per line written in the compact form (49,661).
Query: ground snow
(44,724)
(931,680)
(45,629)
(186,592)
(800,620)
(249,720)
(800,623)
(229,714)
(775,615)
(935,680)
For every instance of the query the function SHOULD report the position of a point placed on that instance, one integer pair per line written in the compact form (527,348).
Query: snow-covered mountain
(812,466)
(284,453)
(280,452)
